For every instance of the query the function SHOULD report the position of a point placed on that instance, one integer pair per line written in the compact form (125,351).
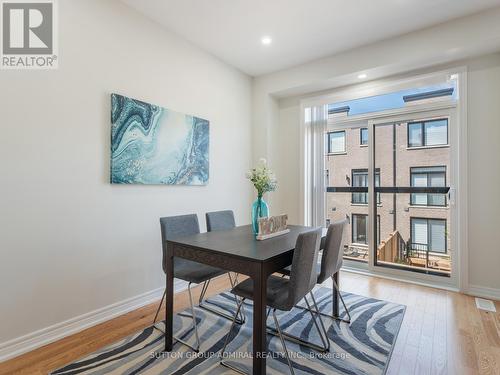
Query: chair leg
(159,307)
(203,291)
(193,316)
(321,322)
(298,340)
(226,341)
(203,306)
(242,311)
(322,330)
(337,290)
(283,342)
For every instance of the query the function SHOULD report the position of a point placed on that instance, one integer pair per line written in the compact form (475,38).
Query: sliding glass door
(412,157)
(390,177)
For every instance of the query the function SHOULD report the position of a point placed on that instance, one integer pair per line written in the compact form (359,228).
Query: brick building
(406,154)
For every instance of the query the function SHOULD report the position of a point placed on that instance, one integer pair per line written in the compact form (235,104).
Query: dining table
(237,250)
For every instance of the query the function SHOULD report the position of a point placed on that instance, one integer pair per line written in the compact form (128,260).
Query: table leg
(169,300)
(259,324)
(335,293)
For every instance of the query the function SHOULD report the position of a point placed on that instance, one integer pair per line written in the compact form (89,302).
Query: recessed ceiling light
(266,40)
(362,76)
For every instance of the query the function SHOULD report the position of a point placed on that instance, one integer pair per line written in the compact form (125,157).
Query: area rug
(362,347)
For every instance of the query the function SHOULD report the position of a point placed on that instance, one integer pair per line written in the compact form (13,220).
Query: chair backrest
(220,220)
(332,253)
(303,272)
(176,226)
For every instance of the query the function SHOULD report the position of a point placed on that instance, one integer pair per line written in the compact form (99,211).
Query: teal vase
(259,209)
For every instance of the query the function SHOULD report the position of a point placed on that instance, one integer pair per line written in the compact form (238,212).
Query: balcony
(416,256)
(394,251)
(419,255)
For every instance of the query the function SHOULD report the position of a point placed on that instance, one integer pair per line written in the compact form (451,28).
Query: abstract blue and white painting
(154,145)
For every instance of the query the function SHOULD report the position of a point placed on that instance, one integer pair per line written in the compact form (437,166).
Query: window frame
(427,173)
(330,152)
(423,136)
(445,252)
(364,171)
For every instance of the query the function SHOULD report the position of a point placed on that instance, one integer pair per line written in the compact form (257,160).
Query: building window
(360,179)
(428,133)
(359,229)
(336,142)
(428,177)
(363,136)
(428,234)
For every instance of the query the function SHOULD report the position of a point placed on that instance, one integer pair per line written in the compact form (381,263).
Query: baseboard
(34,340)
(484,292)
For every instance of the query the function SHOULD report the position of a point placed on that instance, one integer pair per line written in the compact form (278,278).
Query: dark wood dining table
(236,250)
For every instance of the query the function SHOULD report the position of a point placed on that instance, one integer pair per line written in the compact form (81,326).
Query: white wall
(456,43)
(285,160)
(70,242)
(484,172)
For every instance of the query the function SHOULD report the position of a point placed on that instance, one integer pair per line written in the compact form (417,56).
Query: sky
(387,101)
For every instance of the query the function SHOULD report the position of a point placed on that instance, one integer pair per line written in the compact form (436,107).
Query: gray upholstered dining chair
(220,220)
(284,293)
(331,262)
(192,272)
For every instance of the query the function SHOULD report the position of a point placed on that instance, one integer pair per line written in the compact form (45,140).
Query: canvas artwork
(155,145)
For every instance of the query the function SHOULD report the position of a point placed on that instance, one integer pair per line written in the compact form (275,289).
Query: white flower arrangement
(263,178)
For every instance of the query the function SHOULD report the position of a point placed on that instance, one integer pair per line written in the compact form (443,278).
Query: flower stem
(259,203)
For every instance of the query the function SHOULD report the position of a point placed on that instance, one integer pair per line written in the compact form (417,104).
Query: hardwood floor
(442,332)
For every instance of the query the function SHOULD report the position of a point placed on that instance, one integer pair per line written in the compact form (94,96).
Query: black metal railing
(417,250)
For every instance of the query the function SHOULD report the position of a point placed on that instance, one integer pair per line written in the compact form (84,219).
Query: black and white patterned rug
(363,347)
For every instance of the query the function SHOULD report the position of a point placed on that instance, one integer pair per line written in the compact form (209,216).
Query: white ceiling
(302,30)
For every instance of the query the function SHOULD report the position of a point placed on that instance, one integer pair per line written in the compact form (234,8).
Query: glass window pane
(360,178)
(428,169)
(415,135)
(419,199)
(419,231)
(436,133)
(437,229)
(419,179)
(359,229)
(436,199)
(363,136)
(436,179)
(337,142)
(377,184)
(406,233)
(358,198)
